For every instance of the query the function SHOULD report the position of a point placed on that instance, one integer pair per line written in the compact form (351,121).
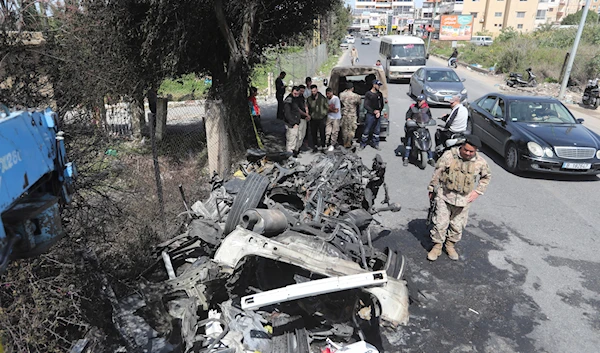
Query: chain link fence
(184,138)
(301,64)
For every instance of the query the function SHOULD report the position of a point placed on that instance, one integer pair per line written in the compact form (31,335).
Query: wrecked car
(274,262)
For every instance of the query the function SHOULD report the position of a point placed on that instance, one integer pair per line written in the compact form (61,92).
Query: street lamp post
(433,24)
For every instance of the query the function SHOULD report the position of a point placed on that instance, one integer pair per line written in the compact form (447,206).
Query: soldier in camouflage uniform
(350,104)
(456,187)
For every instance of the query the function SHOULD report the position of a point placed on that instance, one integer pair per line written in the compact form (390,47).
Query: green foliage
(186,87)
(342,19)
(506,34)
(575,18)
(484,33)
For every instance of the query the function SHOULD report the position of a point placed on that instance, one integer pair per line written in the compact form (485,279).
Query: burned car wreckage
(274,261)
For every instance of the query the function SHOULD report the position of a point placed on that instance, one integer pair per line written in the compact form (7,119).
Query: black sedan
(536,134)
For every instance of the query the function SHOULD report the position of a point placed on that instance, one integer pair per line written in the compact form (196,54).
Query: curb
(483,71)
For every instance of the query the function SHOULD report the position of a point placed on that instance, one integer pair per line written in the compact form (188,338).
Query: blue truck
(36,180)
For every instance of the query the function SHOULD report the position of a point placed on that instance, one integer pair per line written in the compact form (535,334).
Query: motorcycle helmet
(421,97)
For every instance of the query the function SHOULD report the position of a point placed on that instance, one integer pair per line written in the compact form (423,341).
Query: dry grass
(48,302)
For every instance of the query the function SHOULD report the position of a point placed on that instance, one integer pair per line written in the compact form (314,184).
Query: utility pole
(433,24)
(563,86)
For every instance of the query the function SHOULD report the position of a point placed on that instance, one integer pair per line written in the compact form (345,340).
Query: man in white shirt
(333,119)
(456,121)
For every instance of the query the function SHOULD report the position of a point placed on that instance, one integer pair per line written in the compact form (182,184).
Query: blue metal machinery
(35,180)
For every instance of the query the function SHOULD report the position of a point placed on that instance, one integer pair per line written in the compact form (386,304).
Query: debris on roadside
(278,261)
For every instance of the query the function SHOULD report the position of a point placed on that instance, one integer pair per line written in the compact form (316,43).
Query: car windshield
(361,86)
(540,112)
(441,76)
(408,50)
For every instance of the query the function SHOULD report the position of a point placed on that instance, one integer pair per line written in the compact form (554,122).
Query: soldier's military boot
(451,250)
(435,252)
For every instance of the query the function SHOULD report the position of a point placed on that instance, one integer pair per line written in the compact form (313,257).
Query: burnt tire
(250,196)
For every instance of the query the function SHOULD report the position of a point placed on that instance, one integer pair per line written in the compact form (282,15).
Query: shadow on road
(499,160)
(420,231)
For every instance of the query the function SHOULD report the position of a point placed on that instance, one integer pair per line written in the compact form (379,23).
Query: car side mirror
(500,120)
(325,82)
(580,120)
(463,79)
(427,57)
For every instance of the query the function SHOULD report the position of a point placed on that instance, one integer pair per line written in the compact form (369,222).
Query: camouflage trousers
(449,221)
(348,129)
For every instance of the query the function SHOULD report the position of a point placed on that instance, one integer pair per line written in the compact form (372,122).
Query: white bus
(401,56)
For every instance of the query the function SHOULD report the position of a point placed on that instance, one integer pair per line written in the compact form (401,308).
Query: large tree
(137,43)
(575,18)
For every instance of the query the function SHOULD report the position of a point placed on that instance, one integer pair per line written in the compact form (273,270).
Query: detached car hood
(561,134)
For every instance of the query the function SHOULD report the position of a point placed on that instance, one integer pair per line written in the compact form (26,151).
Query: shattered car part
(392,297)
(312,288)
(265,222)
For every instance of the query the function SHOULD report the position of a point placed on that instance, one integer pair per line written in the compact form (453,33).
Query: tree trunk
(138,120)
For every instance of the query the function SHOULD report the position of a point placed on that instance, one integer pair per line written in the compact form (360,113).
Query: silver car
(438,84)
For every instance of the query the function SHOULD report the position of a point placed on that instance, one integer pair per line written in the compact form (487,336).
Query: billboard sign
(456,27)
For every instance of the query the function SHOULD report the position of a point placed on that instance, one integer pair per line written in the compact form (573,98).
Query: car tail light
(385,115)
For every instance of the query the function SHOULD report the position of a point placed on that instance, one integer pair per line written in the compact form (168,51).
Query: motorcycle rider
(456,122)
(418,112)
(453,57)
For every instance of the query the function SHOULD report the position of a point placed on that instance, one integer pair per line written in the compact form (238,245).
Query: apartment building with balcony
(374,14)
(494,15)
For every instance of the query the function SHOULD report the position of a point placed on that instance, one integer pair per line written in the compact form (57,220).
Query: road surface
(528,279)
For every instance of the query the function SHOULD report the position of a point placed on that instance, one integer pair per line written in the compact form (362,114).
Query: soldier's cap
(349,85)
(376,82)
(473,141)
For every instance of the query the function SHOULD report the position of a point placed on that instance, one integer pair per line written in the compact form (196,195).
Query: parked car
(365,41)
(535,133)
(351,40)
(482,40)
(344,44)
(357,75)
(437,84)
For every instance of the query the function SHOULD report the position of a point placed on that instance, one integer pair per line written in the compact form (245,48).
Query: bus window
(408,50)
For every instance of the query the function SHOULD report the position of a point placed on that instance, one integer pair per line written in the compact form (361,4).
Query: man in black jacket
(292,120)
(374,105)
(279,92)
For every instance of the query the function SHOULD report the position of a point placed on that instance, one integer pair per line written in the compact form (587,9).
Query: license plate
(447,98)
(576,165)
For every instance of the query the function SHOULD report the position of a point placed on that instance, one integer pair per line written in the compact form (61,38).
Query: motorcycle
(420,142)
(591,94)
(453,63)
(515,78)
(455,139)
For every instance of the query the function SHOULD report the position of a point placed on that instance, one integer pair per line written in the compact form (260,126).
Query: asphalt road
(528,279)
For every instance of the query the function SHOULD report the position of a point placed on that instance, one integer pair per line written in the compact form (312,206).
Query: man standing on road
(456,121)
(304,116)
(279,93)
(292,120)
(333,119)
(353,56)
(454,186)
(374,105)
(318,107)
(350,104)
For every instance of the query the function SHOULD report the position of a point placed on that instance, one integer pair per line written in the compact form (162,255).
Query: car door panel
(497,126)
(484,117)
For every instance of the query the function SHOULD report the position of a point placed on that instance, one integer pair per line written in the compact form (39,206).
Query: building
(374,14)
(494,15)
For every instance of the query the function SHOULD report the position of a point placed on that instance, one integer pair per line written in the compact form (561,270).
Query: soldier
(454,180)
(350,104)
